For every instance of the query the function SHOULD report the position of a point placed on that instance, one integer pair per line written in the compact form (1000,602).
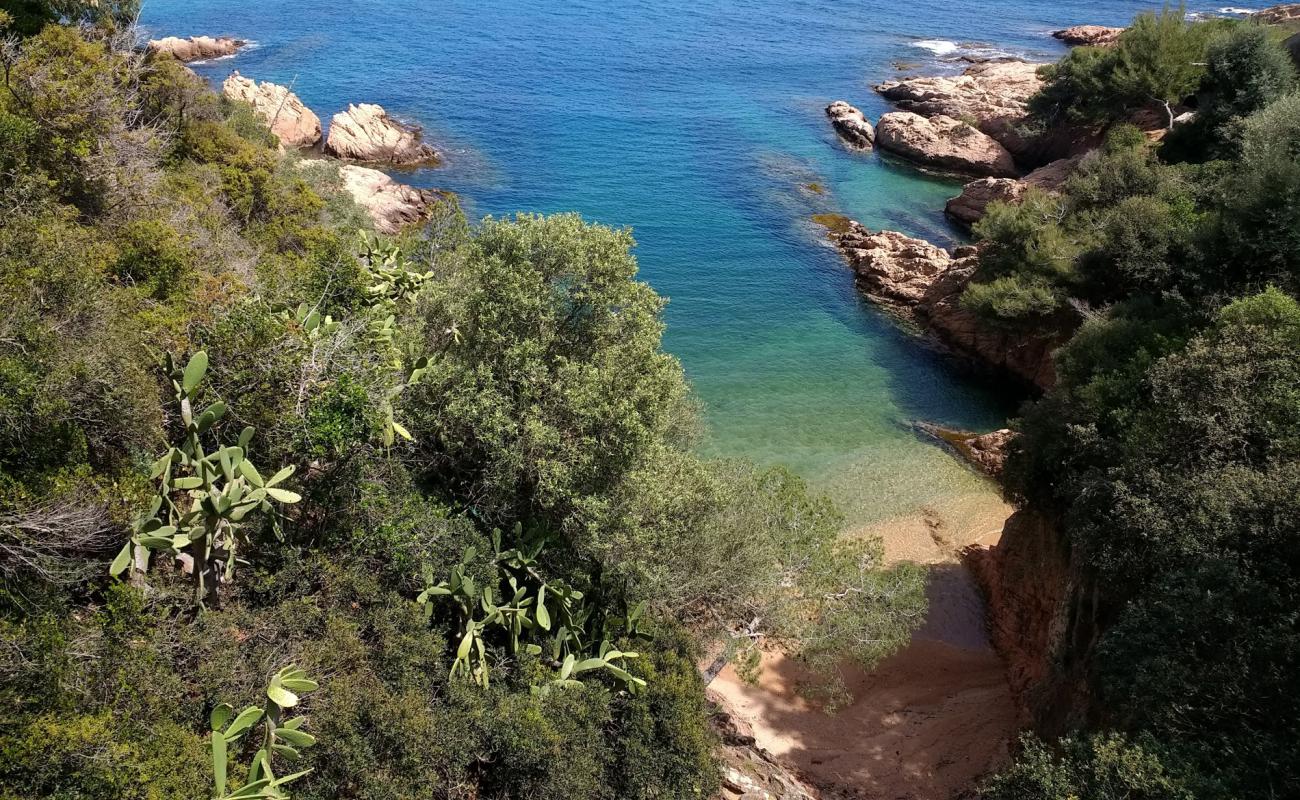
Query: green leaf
(466,641)
(194,371)
(589,664)
(281,696)
(567,668)
(246,719)
(246,436)
(300,684)
(543,616)
(251,474)
(219,758)
(220,716)
(289,778)
(283,495)
(401,431)
(295,737)
(286,751)
(252,789)
(187,483)
(281,475)
(122,561)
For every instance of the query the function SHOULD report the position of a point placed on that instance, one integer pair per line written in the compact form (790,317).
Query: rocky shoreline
(362,134)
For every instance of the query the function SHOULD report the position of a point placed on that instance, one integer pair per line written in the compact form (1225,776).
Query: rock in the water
(1088,35)
(976,196)
(365,132)
(851,124)
(926,282)
(987,452)
(991,95)
(390,204)
(945,143)
(1276,15)
(195,48)
(291,121)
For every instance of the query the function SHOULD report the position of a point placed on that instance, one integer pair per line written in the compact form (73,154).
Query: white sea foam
(1237,12)
(940,47)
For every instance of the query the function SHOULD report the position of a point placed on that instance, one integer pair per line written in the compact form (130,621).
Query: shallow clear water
(699,124)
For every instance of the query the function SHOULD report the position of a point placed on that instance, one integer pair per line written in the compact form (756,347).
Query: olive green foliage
(1125,223)
(1260,220)
(1097,767)
(1167,452)
(1245,71)
(549,385)
(172,283)
(29,17)
(1158,62)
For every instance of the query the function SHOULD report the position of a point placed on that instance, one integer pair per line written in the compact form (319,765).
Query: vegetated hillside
(1168,456)
(417,516)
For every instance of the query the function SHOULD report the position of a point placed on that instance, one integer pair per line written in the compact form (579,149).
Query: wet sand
(928,721)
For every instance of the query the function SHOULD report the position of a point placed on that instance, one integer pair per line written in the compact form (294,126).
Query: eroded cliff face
(1045,614)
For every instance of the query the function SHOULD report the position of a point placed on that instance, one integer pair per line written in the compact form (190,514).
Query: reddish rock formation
(945,143)
(925,282)
(391,205)
(976,196)
(1044,616)
(195,48)
(292,122)
(1277,15)
(987,452)
(1088,35)
(991,96)
(851,124)
(366,133)
(748,771)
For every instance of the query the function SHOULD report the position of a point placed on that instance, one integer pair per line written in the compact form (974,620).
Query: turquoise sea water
(698,124)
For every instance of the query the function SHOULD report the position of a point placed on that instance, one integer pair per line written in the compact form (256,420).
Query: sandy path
(927,722)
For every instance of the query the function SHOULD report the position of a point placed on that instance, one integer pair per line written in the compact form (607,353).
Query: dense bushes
(426,393)
(1168,451)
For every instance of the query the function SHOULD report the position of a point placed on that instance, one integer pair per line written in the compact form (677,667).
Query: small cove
(699,125)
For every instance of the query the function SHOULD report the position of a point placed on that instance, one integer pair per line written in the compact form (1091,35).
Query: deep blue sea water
(698,124)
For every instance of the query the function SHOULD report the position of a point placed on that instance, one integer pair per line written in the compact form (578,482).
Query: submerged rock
(1088,35)
(291,121)
(365,132)
(944,142)
(851,124)
(391,205)
(925,282)
(195,48)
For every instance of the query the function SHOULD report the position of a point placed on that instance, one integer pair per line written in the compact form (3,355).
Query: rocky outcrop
(292,122)
(1045,616)
(925,282)
(851,124)
(976,196)
(945,143)
(195,48)
(987,452)
(365,132)
(1277,15)
(391,205)
(1088,35)
(991,96)
(748,771)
